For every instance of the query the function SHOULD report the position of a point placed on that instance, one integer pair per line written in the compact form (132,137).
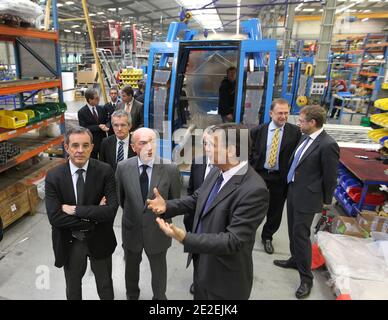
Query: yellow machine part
(301,101)
(188,16)
(309,70)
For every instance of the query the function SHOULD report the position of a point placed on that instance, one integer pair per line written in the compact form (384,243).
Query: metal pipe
(253,5)
(93,44)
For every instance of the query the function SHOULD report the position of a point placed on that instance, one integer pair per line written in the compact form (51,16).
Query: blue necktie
(296,160)
(210,200)
(120,152)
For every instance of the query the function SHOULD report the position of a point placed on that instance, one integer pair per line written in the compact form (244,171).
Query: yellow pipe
(93,43)
(71,19)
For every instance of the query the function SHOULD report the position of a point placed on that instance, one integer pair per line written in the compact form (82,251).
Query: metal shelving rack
(31,145)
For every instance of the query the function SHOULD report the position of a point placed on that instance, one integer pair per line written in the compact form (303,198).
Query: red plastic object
(371,199)
(344,297)
(317,258)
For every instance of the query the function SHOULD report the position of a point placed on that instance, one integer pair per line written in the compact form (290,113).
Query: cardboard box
(348,226)
(86,73)
(371,221)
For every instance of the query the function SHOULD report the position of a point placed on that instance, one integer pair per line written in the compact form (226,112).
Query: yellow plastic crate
(13,119)
(382,104)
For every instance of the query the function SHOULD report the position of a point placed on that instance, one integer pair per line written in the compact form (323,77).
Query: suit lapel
(157,173)
(263,140)
(68,183)
(114,149)
(134,177)
(312,147)
(284,138)
(90,182)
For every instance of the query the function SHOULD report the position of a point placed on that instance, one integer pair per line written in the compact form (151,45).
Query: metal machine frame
(292,94)
(253,47)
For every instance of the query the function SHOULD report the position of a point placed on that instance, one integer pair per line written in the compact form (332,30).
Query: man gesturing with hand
(228,207)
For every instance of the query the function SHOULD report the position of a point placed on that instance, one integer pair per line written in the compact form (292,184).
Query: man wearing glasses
(311,179)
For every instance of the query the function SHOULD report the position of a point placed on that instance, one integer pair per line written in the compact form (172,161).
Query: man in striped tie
(117,148)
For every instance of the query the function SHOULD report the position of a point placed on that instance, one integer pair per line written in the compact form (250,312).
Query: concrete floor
(27,264)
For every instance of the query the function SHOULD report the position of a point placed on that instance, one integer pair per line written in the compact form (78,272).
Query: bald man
(136,178)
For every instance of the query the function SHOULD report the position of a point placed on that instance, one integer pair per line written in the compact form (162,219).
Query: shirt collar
(140,163)
(273,126)
(232,171)
(74,168)
(126,140)
(314,135)
(130,102)
(90,106)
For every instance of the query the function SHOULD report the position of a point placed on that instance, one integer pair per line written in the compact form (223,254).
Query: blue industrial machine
(297,80)
(183,78)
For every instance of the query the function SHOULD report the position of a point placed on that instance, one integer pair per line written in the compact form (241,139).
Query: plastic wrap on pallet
(26,10)
(357,266)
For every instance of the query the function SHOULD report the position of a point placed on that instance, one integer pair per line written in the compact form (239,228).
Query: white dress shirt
(74,175)
(149,169)
(209,166)
(91,108)
(125,146)
(227,175)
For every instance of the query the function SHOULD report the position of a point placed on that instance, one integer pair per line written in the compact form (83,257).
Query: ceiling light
(69,2)
(298,8)
(77,32)
(366,10)
(66,30)
(339,10)
(101,12)
(59,5)
(114,9)
(75,26)
(365,19)
(111,21)
(308,10)
(92,14)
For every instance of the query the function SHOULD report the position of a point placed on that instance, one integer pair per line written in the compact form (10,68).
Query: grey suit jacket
(229,226)
(139,229)
(316,175)
(137,113)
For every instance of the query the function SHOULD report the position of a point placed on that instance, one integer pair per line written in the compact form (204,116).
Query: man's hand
(103,201)
(171,230)
(103,127)
(70,210)
(157,205)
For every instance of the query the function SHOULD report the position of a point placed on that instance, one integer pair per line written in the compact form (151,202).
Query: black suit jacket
(137,114)
(316,175)
(100,182)
(109,109)
(87,120)
(259,135)
(225,265)
(109,149)
(197,175)
(226,97)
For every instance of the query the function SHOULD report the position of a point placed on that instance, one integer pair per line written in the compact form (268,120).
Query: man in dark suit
(111,107)
(93,117)
(226,95)
(81,204)
(139,94)
(118,147)
(136,178)
(311,178)
(200,168)
(272,147)
(229,206)
(132,106)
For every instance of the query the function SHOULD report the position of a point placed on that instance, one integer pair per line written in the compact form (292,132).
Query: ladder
(109,66)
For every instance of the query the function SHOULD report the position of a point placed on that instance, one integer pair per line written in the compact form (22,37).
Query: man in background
(117,148)
(272,147)
(226,95)
(93,117)
(132,106)
(111,106)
